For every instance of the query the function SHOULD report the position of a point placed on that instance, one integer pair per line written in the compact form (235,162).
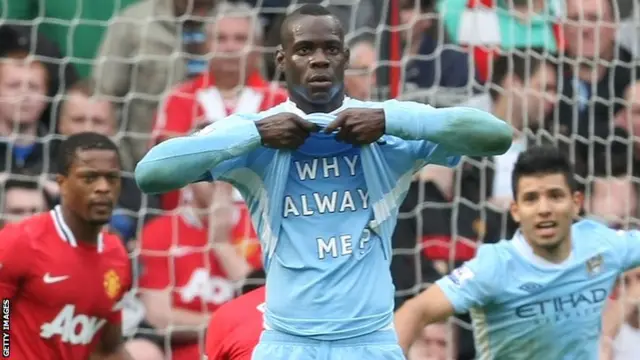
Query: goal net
(561,72)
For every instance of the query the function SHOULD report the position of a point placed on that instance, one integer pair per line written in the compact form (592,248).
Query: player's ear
(578,203)
(61,181)
(280,58)
(347,56)
(515,214)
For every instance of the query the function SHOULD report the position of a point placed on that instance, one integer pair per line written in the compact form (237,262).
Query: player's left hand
(358,126)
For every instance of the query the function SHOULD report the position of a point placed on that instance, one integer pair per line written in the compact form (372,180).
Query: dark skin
(313,58)
(89,193)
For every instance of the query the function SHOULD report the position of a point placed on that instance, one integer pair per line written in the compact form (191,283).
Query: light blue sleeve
(627,246)
(209,153)
(473,284)
(440,136)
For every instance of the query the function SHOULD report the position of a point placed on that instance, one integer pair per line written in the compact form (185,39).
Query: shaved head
(288,27)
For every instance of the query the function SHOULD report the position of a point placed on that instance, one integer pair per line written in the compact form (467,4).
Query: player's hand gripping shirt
(235,328)
(61,291)
(523,307)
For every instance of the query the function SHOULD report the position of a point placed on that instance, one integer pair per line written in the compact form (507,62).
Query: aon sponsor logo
(73,329)
(212,289)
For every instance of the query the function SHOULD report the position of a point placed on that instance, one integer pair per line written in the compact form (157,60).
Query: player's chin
(99,216)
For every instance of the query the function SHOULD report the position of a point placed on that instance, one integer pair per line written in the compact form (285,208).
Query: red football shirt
(176,254)
(61,291)
(235,328)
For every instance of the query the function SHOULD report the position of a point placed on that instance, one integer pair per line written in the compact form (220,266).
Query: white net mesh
(149,65)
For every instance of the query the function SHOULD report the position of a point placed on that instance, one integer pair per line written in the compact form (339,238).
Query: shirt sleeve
(154,255)
(14,260)
(473,284)
(627,244)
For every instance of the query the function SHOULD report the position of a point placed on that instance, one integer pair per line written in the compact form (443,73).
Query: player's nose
(319,59)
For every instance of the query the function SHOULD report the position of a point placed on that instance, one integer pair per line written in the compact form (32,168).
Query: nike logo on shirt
(48,279)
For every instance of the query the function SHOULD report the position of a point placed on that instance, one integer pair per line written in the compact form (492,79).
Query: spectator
(612,196)
(233,81)
(22,199)
(626,342)
(596,75)
(487,27)
(78,41)
(628,118)
(189,266)
(23,90)
(431,62)
(141,59)
(522,92)
(25,38)
(437,342)
(360,77)
(82,111)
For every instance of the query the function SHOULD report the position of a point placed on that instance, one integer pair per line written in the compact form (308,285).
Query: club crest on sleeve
(594,265)
(112,284)
(460,275)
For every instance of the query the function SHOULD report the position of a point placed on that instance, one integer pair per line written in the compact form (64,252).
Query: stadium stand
(142,71)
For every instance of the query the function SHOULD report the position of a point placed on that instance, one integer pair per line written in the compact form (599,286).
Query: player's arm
(459,130)
(180,161)
(111,344)
(471,285)
(15,259)
(628,247)
(431,306)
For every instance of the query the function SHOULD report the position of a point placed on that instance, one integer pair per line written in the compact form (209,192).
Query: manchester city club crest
(112,284)
(594,265)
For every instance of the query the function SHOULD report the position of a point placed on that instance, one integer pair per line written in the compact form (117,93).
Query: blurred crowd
(143,71)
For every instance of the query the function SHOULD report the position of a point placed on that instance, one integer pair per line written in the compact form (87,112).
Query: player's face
(545,207)
(92,187)
(314,58)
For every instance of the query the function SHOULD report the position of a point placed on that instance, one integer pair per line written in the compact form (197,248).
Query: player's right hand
(284,131)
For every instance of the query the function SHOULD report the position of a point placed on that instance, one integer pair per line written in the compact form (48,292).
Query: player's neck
(554,255)
(81,229)
(308,107)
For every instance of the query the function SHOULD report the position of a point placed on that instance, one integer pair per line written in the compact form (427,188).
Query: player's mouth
(101,205)
(546,228)
(320,81)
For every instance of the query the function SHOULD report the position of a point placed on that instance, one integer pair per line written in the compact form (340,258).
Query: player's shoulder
(589,233)
(245,302)
(113,245)
(154,232)
(38,226)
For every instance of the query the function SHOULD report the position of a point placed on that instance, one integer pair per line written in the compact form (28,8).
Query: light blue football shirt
(524,307)
(329,277)
(325,213)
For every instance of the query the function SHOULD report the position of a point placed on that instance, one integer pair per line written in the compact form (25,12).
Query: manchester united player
(188,269)
(61,273)
(235,328)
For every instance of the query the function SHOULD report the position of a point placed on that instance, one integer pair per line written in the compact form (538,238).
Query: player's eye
(304,51)
(333,50)
(90,178)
